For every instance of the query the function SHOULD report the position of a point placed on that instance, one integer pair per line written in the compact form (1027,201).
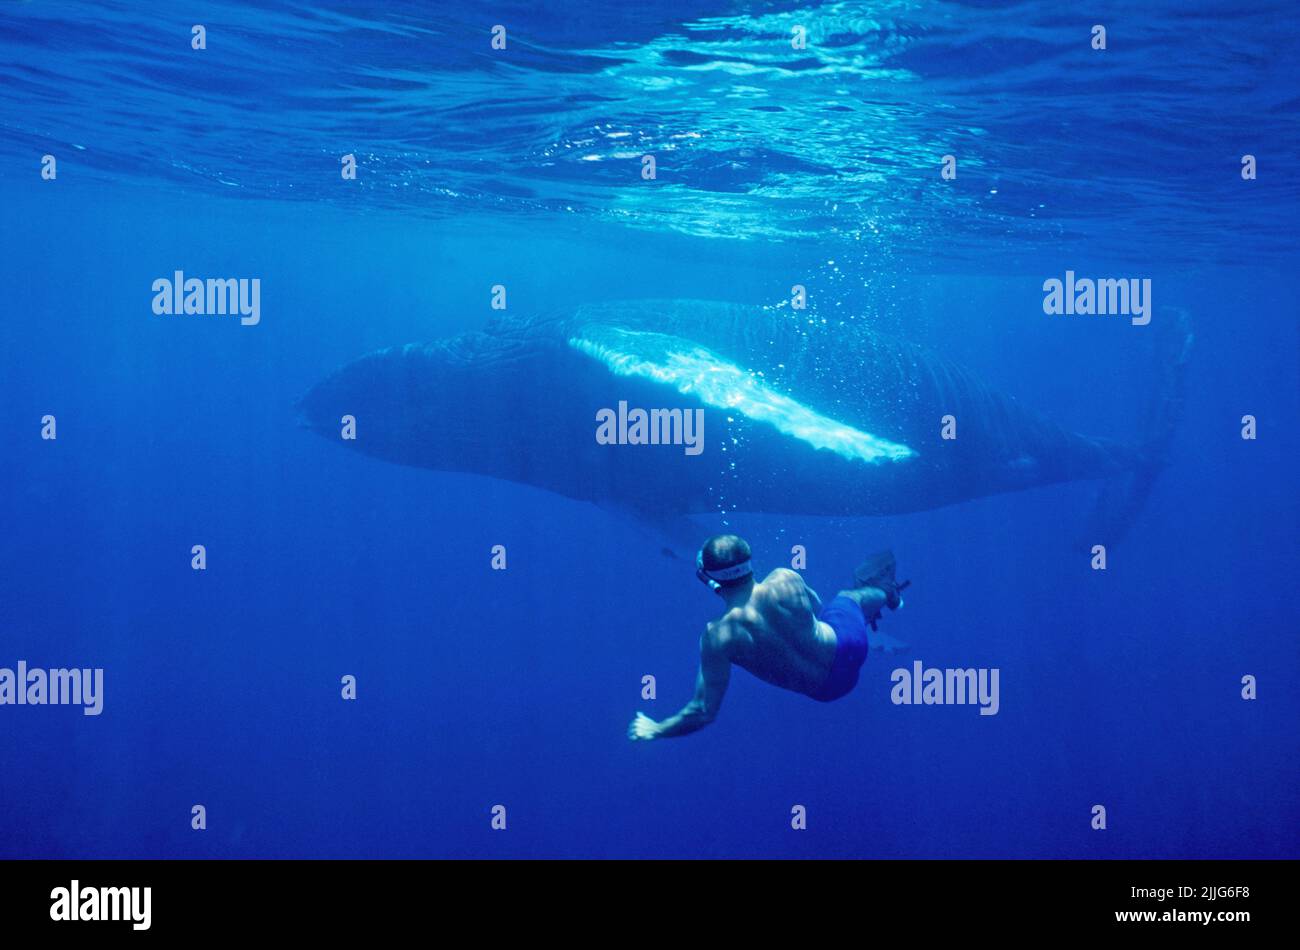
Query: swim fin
(884,643)
(878,571)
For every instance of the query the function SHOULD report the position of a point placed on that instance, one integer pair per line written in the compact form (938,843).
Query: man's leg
(872,600)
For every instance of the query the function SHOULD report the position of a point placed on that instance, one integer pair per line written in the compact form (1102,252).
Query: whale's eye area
(695,371)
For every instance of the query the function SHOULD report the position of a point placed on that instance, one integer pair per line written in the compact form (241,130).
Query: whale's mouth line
(693,370)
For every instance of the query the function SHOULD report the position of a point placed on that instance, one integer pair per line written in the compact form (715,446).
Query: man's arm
(710,687)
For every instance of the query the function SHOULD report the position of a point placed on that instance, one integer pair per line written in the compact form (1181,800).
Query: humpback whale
(789,427)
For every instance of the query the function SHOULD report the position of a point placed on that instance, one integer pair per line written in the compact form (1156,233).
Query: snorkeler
(779,630)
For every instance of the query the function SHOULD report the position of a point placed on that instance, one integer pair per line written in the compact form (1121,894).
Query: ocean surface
(522,167)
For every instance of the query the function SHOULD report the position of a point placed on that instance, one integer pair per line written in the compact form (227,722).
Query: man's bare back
(776,634)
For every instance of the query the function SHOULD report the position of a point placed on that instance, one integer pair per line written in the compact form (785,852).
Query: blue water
(522,167)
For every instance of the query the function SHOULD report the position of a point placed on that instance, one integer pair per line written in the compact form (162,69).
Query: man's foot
(878,571)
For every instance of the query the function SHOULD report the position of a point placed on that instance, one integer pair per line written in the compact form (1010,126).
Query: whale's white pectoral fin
(693,370)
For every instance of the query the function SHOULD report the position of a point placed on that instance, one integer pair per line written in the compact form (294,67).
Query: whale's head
(451,404)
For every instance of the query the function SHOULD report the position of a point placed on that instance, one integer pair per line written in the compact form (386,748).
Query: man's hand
(642,728)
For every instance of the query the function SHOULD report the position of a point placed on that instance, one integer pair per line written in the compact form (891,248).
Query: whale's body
(789,426)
